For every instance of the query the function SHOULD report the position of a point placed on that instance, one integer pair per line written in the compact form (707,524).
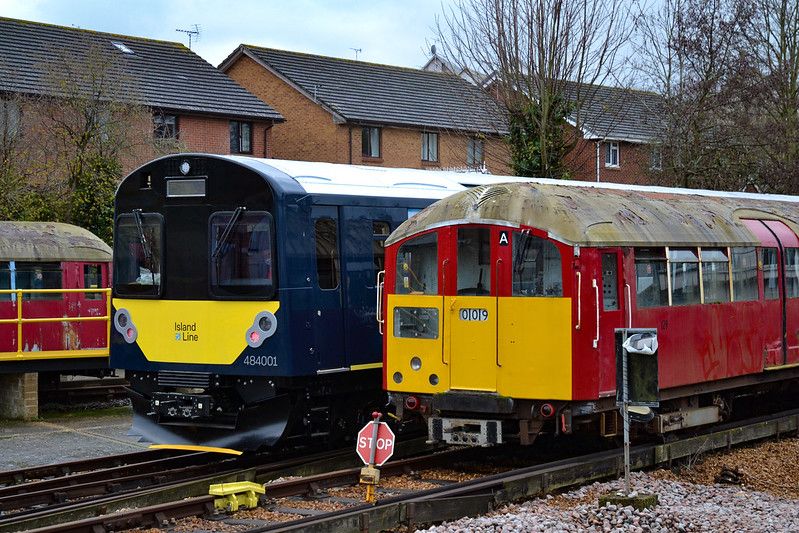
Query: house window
(370,142)
(165,126)
(240,137)
(10,115)
(429,146)
(612,154)
(656,158)
(474,153)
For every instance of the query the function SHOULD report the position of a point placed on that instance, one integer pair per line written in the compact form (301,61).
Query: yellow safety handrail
(40,354)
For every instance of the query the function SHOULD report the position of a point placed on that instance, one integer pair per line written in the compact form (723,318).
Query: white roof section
(385,182)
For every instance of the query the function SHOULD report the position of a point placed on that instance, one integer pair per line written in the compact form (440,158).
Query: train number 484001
(260,360)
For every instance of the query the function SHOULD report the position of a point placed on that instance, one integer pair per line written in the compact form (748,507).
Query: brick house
(188,104)
(617,135)
(344,111)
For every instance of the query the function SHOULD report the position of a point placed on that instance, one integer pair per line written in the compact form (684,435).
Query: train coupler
(236,495)
(464,431)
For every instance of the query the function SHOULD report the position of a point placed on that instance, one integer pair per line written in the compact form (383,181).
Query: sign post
(375,446)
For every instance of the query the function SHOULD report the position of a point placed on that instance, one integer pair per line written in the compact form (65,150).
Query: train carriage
(501,304)
(54,298)
(244,294)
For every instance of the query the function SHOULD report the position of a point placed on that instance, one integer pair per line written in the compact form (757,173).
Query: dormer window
(122,47)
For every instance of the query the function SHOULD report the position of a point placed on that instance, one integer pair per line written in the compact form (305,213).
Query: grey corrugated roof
(382,94)
(160,74)
(616,113)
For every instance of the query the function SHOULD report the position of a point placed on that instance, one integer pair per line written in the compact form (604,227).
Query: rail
(21,320)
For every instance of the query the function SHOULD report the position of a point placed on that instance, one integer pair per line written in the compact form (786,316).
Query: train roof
(597,214)
(50,241)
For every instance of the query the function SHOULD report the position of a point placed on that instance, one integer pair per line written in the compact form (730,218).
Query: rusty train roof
(596,215)
(50,241)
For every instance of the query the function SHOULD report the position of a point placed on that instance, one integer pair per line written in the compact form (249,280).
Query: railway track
(281,509)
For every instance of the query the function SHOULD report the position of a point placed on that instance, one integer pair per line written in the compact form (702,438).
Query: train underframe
(248,413)
(482,419)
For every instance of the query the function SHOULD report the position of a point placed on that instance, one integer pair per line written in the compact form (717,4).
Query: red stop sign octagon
(384,443)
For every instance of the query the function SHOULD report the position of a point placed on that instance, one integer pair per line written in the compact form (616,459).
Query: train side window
(715,275)
(380,231)
(651,283)
(138,248)
(791,272)
(39,276)
(327,269)
(5,280)
(744,274)
(684,275)
(92,279)
(536,266)
(417,266)
(771,280)
(474,261)
(610,286)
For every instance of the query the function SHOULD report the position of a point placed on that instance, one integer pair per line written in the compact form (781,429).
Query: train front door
(471,315)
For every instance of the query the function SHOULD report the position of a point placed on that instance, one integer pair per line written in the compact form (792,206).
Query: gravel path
(688,501)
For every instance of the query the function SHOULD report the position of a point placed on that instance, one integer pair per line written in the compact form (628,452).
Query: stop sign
(384,443)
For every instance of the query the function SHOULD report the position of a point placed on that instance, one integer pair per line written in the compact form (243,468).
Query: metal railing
(20,321)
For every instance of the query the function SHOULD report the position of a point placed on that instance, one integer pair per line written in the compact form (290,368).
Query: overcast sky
(392,32)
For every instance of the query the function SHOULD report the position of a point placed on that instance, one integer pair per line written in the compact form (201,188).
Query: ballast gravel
(683,506)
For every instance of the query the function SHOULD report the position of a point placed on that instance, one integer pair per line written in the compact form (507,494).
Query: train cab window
(5,280)
(651,284)
(380,231)
(771,280)
(474,261)
(715,275)
(791,272)
(327,268)
(241,254)
(684,275)
(536,266)
(744,274)
(417,266)
(138,254)
(92,279)
(610,283)
(39,276)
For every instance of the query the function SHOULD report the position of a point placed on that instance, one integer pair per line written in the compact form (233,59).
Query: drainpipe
(597,161)
(349,142)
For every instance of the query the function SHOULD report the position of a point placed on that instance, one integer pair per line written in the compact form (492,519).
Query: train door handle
(497,322)
(596,295)
(579,300)
(629,306)
(379,282)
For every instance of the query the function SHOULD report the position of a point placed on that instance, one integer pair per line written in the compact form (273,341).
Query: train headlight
(433,379)
(397,377)
(125,326)
(416,363)
(263,327)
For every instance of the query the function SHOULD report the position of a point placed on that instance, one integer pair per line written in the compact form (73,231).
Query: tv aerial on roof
(194,32)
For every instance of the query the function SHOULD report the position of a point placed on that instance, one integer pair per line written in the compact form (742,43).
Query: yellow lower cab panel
(187,331)
(409,336)
(535,348)
(520,347)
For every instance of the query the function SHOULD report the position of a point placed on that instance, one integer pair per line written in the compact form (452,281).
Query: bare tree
(542,58)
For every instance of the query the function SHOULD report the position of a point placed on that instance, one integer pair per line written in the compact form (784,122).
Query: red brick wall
(634,163)
(212,135)
(310,133)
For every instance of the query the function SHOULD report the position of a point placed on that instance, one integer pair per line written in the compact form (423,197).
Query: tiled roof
(160,74)
(616,113)
(370,93)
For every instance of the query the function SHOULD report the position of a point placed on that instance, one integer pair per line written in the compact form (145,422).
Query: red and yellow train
(55,299)
(500,305)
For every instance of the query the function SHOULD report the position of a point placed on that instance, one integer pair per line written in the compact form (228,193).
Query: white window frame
(430,147)
(10,119)
(656,158)
(612,147)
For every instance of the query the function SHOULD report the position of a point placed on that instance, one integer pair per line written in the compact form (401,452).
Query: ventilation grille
(184,379)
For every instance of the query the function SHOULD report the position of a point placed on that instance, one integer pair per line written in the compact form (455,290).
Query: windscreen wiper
(148,253)
(227,231)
